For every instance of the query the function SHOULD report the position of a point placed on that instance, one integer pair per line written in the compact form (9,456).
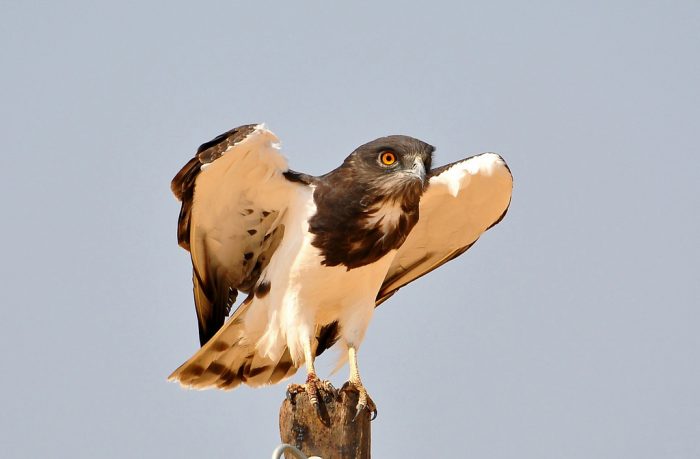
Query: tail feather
(230,358)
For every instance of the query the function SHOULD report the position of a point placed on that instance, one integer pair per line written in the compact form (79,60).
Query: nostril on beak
(419,168)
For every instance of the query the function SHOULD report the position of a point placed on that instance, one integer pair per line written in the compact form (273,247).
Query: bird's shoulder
(183,184)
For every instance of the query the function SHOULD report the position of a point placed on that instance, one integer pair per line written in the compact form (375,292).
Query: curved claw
(364,402)
(317,408)
(329,392)
(358,410)
(292,391)
(319,391)
(361,406)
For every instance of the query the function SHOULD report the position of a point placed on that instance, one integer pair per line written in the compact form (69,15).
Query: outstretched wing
(234,195)
(463,200)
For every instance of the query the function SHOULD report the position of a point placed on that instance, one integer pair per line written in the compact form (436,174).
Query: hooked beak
(419,168)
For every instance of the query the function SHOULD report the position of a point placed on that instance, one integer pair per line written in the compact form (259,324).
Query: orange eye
(387,158)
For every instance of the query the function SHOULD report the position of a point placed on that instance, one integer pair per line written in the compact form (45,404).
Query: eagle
(316,255)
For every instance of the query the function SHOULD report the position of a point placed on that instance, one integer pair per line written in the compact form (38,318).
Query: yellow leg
(364,401)
(309,360)
(314,386)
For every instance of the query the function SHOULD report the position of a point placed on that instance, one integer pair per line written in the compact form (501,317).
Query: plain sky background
(571,330)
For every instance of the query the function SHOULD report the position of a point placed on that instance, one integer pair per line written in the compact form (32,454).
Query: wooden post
(335,435)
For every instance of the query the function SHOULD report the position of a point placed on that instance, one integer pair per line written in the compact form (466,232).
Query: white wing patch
(462,201)
(457,176)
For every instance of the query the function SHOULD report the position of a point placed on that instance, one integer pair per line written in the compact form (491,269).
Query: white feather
(306,294)
(461,202)
(387,213)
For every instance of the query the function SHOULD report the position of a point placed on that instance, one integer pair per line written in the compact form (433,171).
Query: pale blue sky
(571,330)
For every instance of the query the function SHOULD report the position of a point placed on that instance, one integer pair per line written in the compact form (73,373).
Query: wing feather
(463,200)
(234,196)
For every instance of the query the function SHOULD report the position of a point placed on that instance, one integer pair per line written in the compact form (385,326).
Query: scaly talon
(330,393)
(314,388)
(293,390)
(364,402)
(312,383)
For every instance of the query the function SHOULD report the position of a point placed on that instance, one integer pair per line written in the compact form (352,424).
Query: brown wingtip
(182,185)
(184,179)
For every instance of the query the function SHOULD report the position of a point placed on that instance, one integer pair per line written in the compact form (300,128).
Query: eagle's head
(368,205)
(390,167)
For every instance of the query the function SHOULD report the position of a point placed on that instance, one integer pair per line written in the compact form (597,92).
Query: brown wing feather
(183,188)
(230,217)
(183,183)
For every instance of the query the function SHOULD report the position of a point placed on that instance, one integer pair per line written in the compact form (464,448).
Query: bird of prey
(316,255)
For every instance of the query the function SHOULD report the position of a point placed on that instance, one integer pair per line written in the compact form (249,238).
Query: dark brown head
(368,205)
(389,165)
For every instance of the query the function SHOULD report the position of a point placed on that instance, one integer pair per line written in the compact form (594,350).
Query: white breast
(387,215)
(305,294)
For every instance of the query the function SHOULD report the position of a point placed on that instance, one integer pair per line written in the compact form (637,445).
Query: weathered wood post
(335,435)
